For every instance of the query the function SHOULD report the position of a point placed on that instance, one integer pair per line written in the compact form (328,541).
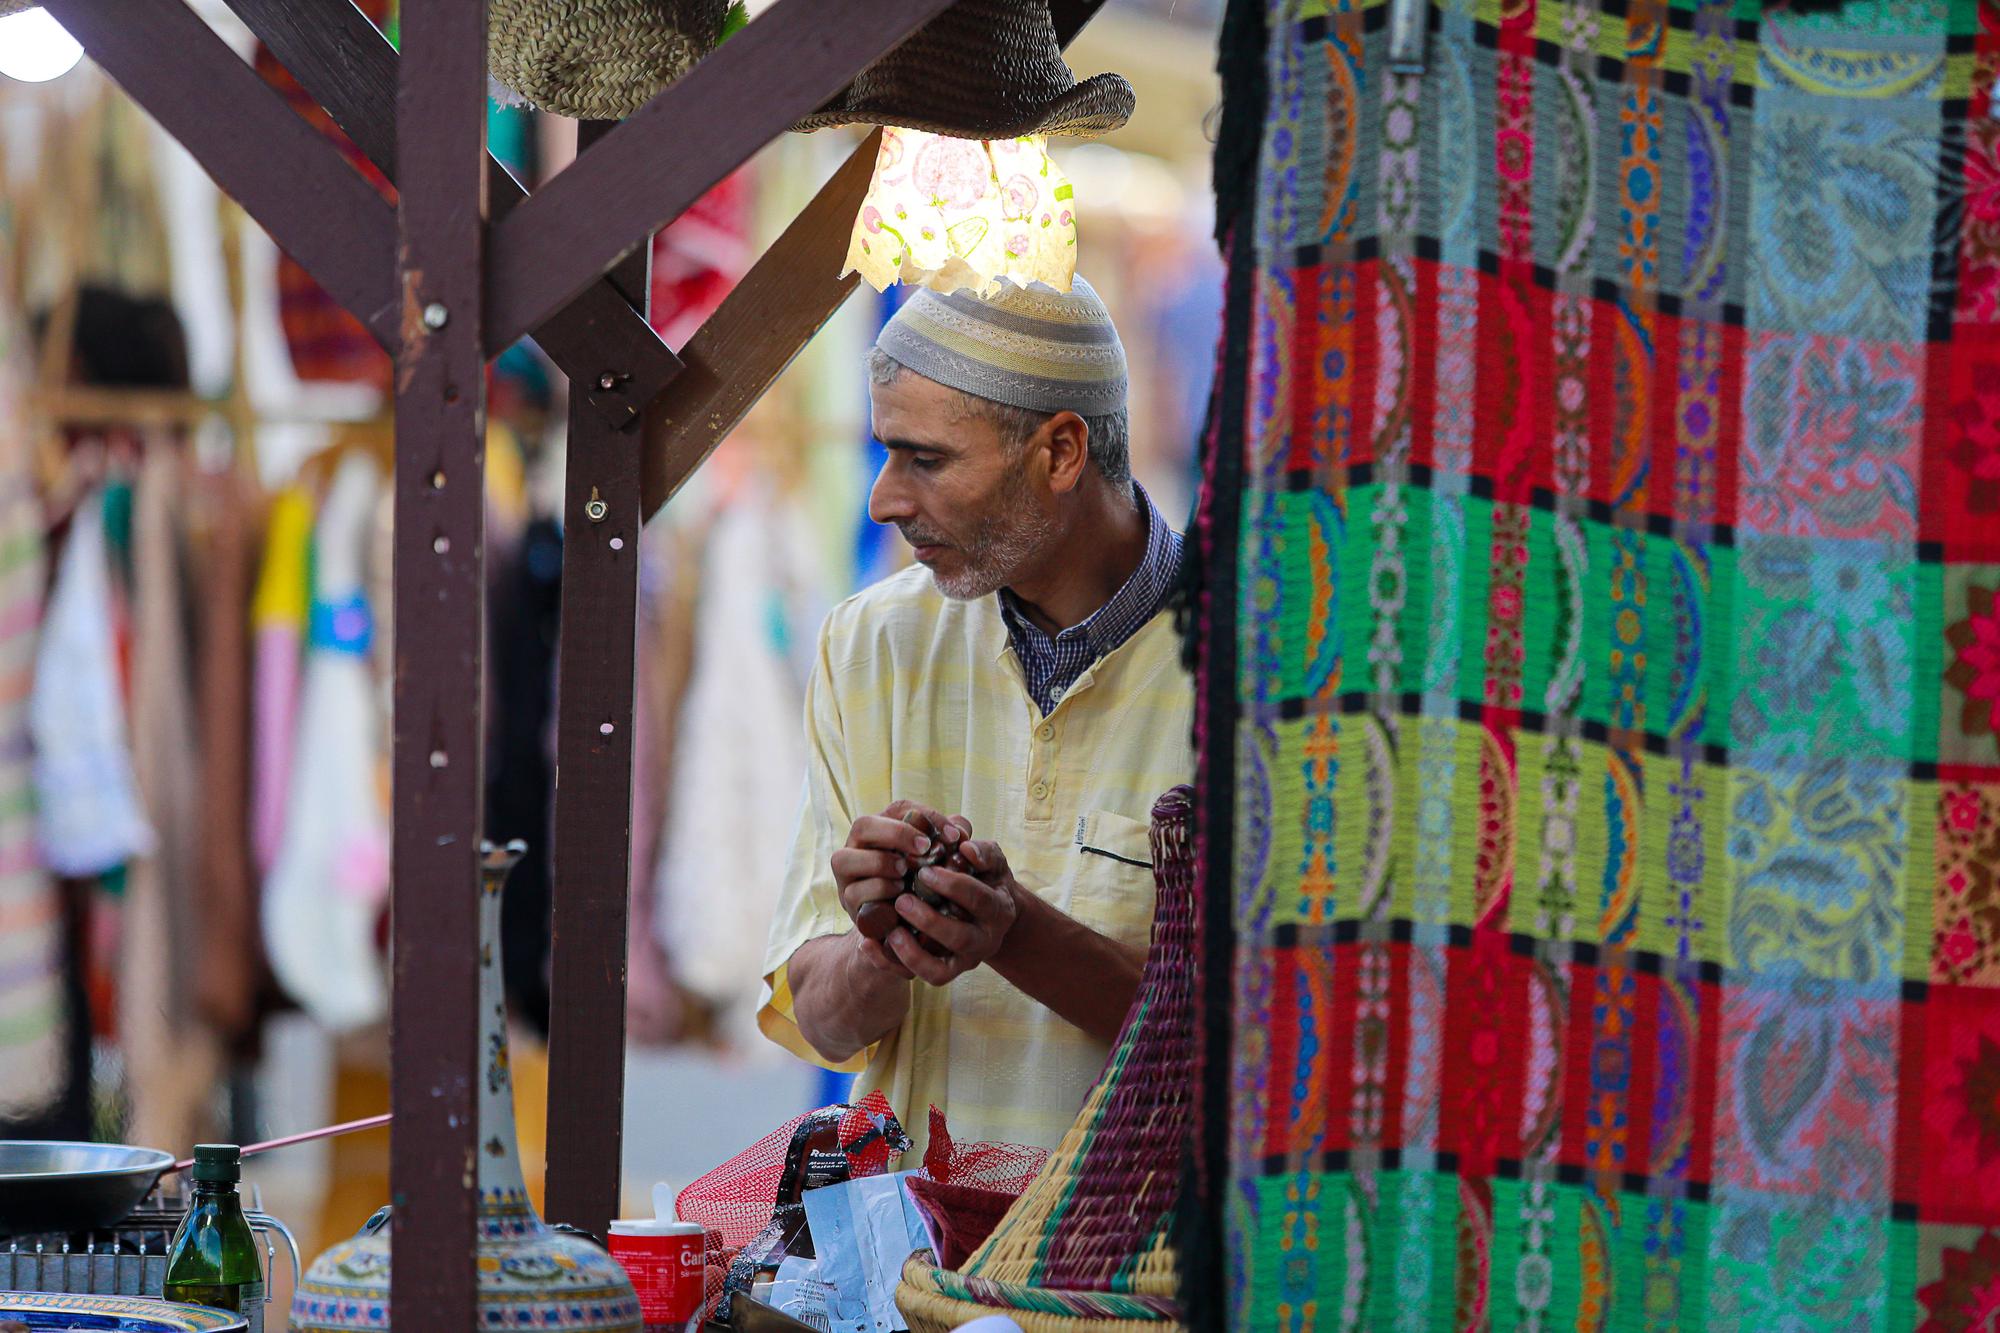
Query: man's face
(971,503)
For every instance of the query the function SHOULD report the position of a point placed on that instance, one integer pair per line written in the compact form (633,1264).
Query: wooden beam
(786,64)
(283,172)
(440,631)
(767,320)
(597,665)
(614,360)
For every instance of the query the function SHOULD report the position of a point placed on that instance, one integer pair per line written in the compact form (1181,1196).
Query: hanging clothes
(171,1056)
(332,873)
(278,630)
(739,756)
(227,985)
(699,257)
(35,1014)
(669,568)
(87,815)
(526,607)
(34,1006)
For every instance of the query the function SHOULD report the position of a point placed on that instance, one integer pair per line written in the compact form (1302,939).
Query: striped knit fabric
(34,1017)
(1604,568)
(1087,1245)
(34,1048)
(1028,347)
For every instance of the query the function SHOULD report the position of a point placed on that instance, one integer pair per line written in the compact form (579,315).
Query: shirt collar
(1135,603)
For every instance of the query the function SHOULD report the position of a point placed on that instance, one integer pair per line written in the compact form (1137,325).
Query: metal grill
(129,1259)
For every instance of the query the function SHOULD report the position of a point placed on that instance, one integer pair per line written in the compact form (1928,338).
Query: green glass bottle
(213,1260)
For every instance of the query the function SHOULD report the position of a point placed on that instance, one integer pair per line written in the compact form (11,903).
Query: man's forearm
(842,1004)
(1087,979)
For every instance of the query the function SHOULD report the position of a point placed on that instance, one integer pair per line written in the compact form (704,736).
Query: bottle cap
(218,1163)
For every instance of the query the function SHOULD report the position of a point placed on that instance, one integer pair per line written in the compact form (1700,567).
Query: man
(1015,694)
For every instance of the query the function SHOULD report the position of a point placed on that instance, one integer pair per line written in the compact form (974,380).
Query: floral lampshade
(951,213)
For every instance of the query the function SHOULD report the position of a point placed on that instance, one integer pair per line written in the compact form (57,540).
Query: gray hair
(1110,434)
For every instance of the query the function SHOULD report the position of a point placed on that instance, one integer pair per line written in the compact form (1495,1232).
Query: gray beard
(1003,545)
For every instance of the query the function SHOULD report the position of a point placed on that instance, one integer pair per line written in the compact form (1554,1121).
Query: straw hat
(595,59)
(16,6)
(983,69)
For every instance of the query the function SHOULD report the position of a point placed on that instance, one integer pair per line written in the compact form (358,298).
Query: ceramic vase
(530,1275)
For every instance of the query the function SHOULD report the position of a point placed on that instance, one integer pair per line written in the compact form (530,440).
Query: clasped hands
(871,869)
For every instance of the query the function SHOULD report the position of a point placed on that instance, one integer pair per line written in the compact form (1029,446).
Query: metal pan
(56,1187)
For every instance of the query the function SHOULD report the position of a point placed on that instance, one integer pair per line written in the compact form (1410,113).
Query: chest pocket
(1112,880)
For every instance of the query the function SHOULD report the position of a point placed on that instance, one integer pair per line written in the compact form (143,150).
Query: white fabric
(739,758)
(332,873)
(87,817)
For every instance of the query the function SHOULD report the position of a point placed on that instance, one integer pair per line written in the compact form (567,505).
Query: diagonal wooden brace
(613,358)
(785,65)
(283,172)
(786,298)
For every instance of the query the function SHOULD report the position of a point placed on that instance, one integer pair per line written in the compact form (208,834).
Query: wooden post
(440,662)
(602,522)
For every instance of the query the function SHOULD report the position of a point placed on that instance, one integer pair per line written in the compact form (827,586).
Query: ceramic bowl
(54,1313)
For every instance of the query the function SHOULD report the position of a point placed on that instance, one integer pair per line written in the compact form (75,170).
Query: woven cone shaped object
(1087,1246)
(596,59)
(983,69)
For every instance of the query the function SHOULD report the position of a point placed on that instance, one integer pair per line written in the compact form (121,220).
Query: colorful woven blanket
(1602,676)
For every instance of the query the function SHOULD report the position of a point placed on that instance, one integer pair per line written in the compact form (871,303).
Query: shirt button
(1040,791)
(1048,731)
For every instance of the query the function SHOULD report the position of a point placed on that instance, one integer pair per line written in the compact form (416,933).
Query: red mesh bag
(751,1203)
(736,1199)
(966,1188)
(1004,1167)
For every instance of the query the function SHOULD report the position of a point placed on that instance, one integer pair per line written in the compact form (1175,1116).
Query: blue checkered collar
(1053,663)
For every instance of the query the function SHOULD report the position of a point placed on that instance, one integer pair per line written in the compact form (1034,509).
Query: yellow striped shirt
(919,697)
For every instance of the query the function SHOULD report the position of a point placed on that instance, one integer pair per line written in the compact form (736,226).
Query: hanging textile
(228,981)
(1601,666)
(699,257)
(739,756)
(87,814)
(526,607)
(669,569)
(172,1059)
(34,1014)
(34,1017)
(327,889)
(278,630)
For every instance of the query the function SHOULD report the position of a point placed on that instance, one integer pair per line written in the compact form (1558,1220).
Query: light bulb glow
(35,49)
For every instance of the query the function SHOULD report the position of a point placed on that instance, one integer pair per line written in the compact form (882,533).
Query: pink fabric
(276,700)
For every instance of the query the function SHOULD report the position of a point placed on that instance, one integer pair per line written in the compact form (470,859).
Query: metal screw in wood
(435,315)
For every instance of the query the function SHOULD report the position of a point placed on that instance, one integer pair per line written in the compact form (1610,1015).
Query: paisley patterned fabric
(1601,668)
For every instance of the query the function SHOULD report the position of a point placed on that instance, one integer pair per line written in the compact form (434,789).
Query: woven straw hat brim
(983,69)
(596,59)
(16,6)
(1096,106)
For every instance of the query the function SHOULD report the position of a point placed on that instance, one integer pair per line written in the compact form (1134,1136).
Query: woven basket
(983,69)
(1087,1246)
(596,59)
